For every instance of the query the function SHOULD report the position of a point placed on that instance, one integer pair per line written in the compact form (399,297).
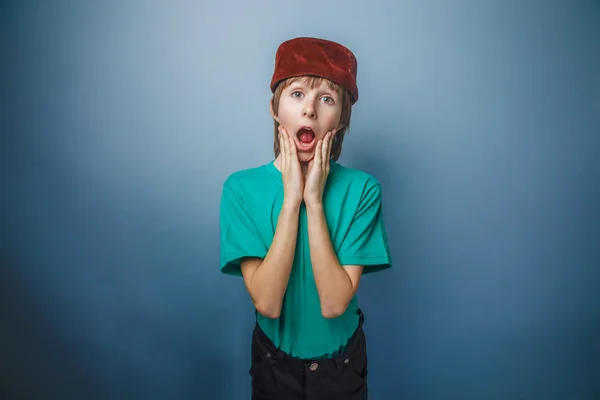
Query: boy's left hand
(318,170)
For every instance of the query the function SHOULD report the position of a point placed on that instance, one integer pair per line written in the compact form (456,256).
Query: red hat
(316,57)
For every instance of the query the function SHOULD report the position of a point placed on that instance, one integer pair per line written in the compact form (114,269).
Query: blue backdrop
(121,120)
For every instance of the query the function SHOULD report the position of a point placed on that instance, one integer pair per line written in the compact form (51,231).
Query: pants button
(314,366)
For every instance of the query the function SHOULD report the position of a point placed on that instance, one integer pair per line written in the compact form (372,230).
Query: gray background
(121,120)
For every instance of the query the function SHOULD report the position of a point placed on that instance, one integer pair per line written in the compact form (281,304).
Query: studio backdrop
(121,120)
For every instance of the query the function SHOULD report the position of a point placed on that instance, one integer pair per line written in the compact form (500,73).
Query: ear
(275,117)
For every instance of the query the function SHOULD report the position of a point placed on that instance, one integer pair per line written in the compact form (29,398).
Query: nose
(309,109)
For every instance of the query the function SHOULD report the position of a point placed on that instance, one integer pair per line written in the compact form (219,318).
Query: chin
(304,158)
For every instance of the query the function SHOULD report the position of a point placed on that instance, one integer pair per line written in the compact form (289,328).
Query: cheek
(284,112)
(333,118)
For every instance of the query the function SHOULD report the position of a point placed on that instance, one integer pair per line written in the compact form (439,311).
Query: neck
(303,165)
(304,168)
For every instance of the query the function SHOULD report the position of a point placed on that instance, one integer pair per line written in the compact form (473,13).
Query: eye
(297,94)
(327,99)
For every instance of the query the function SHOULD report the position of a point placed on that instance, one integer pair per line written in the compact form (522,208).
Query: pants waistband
(356,342)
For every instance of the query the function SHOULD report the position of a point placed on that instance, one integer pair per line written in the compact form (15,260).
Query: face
(307,114)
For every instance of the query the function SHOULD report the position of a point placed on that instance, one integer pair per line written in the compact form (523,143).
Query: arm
(336,284)
(266,279)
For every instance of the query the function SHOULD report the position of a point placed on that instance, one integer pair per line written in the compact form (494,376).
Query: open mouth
(306,137)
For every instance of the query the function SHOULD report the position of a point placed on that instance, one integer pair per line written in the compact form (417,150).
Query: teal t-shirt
(250,206)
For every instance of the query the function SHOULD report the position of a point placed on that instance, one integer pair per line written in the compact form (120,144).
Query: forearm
(334,286)
(270,279)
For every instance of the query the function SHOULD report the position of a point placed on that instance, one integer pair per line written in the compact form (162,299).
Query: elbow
(333,310)
(268,310)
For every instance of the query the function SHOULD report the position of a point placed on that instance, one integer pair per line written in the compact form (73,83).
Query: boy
(302,229)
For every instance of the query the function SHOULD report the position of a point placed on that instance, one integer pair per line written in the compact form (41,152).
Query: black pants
(279,376)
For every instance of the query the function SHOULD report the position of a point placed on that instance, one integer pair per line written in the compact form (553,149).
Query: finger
(286,141)
(325,151)
(284,137)
(318,151)
(293,152)
(282,149)
(322,150)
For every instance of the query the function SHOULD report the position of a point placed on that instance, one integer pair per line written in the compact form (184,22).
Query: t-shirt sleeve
(365,242)
(239,236)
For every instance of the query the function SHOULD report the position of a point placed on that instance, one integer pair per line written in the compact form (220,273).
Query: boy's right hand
(293,181)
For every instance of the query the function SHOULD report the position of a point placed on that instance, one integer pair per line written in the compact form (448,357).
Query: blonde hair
(312,81)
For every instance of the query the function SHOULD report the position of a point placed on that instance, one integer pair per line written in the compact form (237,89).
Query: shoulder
(246,179)
(356,179)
